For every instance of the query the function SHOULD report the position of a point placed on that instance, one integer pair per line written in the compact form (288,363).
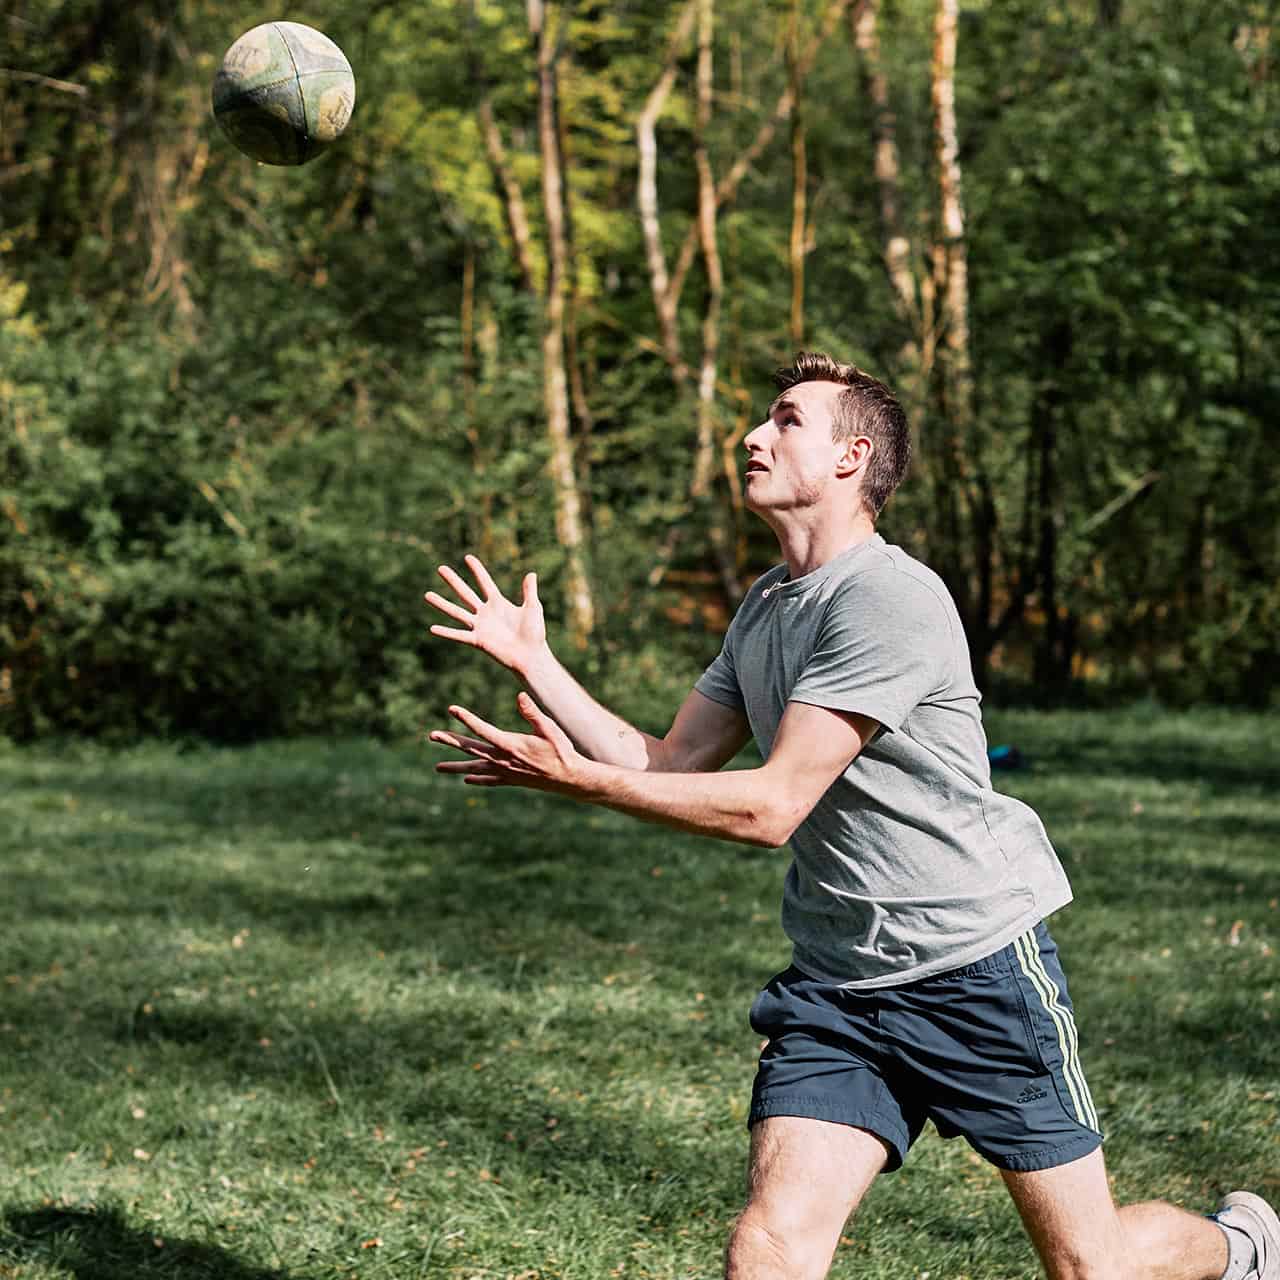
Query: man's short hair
(865,408)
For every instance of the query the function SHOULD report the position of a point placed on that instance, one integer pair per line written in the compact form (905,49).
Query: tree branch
(509,188)
(647,196)
(47,82)
(727,187)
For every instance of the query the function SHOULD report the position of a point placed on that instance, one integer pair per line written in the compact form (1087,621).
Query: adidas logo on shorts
(1032,1093)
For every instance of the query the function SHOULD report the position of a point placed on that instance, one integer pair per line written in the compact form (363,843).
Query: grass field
(309,1010)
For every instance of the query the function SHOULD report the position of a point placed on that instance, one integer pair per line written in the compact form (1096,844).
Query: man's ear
(854,456)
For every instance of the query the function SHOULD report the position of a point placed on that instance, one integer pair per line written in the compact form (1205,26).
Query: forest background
(530,304)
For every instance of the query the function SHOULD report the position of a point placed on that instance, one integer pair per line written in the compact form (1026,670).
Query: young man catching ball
(924,984)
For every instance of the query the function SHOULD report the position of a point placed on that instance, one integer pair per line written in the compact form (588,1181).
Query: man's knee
(764,1247)
(807,1178)
(1084,1264)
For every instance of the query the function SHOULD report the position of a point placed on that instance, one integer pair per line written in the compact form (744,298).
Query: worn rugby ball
(283,93)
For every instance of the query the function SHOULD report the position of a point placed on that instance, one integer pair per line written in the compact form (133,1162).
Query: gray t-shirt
(910,864)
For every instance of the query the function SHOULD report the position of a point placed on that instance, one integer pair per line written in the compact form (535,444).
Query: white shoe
(1257,1219)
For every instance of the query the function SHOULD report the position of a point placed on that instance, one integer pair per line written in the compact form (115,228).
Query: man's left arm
(762,806)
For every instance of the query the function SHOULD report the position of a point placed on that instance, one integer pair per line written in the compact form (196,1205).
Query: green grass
(308,1010)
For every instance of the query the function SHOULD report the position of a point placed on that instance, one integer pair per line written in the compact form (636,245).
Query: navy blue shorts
(988,1051)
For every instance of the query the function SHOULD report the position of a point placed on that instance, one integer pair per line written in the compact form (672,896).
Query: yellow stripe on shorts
(1028,952)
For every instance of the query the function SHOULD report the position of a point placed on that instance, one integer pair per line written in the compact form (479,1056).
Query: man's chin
(756,497)
(759,503)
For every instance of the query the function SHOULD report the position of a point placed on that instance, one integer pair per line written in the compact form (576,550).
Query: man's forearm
(595,730)
(738,805)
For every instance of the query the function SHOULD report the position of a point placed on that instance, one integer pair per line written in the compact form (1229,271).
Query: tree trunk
(665,304)
(797,246)
(504,180)
(732,440)
(703,457)
(966,540)
(913,300)
(568,504)
(704,470)
(509,192)
(666,300)
(1052,403)
(577,386)
(897,245)
(958,374)
(482,524)
(727,187)
(1045,663)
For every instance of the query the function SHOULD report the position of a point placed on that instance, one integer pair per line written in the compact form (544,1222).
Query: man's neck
(808,547)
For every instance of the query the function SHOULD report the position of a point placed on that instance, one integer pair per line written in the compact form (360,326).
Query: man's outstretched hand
(510,634)
(545,759)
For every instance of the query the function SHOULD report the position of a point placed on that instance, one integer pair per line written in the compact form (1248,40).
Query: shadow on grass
(520,888)
(1231,756)
(418,864)
(1220,880)
(100,1244)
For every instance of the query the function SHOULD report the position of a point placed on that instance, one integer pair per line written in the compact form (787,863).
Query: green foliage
(195,553)
(1120,198)
(246,411)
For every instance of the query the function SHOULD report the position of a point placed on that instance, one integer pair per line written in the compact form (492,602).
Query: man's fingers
(460,587)
(529,588)
(448,608)
(531,711)
(452,633)
(473,774)
(545,726)
(486,768)
(459,743)
(481,575)
(482,728)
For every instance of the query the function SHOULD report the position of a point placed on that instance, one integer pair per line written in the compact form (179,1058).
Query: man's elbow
(773,827)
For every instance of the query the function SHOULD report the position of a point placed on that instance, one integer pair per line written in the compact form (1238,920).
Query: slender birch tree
(798,242)
(555,378)
(913,298)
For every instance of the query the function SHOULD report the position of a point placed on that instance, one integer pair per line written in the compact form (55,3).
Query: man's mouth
(756,468)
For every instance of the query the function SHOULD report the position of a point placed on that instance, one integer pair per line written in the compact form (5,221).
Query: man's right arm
(704,735)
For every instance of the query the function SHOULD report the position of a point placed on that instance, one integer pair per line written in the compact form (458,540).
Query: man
(924,984)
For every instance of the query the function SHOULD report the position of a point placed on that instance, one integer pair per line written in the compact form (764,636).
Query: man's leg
(1078,1231)
(806,1178)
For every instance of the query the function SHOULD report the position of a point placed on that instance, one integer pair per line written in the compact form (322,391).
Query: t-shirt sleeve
(719,681)
(883,648)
